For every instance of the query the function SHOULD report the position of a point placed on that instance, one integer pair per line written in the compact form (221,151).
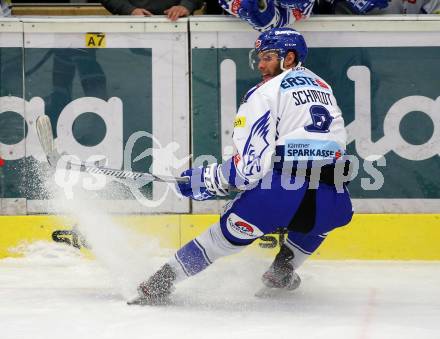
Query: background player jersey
(296,114)
(410,7)
(277,13)
(5,8)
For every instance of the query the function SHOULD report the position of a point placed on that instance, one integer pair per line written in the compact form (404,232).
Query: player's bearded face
(269,65)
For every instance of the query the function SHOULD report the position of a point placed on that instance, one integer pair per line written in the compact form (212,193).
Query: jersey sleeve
(273,15)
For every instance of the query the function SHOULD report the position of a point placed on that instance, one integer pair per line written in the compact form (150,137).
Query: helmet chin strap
(282,65)
(285,69)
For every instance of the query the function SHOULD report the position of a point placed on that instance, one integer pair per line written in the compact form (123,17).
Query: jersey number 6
(321,120)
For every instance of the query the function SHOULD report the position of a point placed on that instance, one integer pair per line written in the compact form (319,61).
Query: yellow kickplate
(368,236)
(15,230)
(385,236)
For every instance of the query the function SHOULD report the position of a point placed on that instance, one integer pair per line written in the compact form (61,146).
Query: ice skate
(157,289)
(280,276)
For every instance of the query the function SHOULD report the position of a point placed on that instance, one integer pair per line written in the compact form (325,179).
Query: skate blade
(142,301)
(136,301)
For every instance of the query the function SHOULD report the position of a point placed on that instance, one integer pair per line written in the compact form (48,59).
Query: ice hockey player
(290,139)
(266,14)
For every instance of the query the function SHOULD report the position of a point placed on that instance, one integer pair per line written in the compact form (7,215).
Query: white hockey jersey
(294,114)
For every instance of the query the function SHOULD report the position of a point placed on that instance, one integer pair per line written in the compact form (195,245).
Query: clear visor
(266,56)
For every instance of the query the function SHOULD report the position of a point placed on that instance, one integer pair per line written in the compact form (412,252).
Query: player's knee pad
(215,243)
(237,230)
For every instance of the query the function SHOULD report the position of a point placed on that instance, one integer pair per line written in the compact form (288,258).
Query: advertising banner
(111,96)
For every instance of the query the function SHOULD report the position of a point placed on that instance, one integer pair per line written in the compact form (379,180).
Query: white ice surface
(55,293)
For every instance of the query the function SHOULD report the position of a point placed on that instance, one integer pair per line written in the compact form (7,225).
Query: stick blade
(45,136)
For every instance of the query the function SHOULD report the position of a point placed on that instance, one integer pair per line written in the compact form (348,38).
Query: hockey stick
(45,136)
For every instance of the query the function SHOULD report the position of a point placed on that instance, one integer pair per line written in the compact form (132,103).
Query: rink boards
(114,87)
(179,96)
(368,236)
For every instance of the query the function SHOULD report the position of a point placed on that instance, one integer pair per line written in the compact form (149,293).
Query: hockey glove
(205,183)
(259,13)
(365,6)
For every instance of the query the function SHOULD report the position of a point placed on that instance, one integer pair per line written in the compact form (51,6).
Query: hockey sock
(201,252)
(302,245)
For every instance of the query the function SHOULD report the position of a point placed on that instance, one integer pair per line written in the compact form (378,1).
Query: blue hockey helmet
(282,40)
